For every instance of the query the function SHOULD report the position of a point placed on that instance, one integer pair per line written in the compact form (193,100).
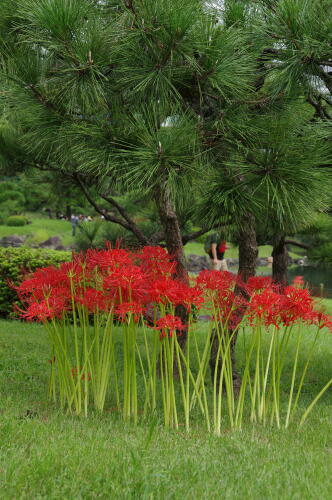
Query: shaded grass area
(48,455)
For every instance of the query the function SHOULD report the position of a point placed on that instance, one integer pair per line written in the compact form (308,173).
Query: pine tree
(171,98)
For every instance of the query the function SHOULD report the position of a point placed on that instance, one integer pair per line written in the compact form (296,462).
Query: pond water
(318,279)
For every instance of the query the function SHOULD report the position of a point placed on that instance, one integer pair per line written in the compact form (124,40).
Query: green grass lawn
(46,455)
(232,252)
(42,228)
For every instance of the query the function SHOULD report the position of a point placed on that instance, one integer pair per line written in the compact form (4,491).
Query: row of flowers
(84,302)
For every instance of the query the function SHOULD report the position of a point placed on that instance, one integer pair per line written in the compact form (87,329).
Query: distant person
(48,211)
(215,246)
(74,223)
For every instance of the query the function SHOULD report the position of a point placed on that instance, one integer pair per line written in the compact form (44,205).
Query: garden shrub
(17,220)
(12,195)
(37,237)
(15,262)
(3,217)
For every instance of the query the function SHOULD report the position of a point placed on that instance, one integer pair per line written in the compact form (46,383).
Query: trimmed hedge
(16,220)
(15,261)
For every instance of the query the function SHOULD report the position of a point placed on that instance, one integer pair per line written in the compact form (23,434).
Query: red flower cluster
(283,309)
(116,280)
(130,283)
(170,324)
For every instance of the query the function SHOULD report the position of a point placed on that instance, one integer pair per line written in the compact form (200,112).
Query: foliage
(16,220)
(318,237)
(14,263)
(89,235)
(174,99)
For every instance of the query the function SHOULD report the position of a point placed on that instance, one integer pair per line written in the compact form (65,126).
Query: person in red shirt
(217,252)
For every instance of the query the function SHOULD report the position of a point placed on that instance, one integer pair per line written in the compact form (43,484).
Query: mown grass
(42,228)
(232,252)
(44,454)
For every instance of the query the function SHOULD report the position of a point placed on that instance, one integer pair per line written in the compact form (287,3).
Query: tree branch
(316,106)
(297,244)
(320,111)
(192,236)
(130,223)
(104,213)
(327,79)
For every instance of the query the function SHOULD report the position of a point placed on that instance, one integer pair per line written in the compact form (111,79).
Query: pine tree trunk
(248,253)
(173,239)
(248,250)
(280,261)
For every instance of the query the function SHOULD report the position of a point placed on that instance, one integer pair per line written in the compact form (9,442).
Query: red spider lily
(75,270)
(156,262)
(298,282)
(53,304)
(41,311)
(229,306)
(193,296)
(320,319)
(169,323)
(42,281)
(298,305)
(169,291)
(274,309)
(216,280)
(107,260)
(127,283)
(94,300)
(265,306)
(257,283)
(162,290)
(129,309)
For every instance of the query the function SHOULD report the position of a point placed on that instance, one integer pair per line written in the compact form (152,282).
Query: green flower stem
(246,380)
(215,386)
(255,395)
(163,382)
(262,406)
(193,381)
(305,371)
(187,410)
(293,377)
(310,407)
(203,365)
(186,405)
(275,409)
(76,345)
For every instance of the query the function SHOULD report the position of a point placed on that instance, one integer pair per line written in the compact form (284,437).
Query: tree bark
(248,250)
(173,237)
(174,245)
(280,261)
(248,253)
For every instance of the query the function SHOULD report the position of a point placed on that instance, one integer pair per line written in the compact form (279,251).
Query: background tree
(87,118)
(118,96)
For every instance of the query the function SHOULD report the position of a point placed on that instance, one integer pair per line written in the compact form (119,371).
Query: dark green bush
(12,194)
(16,261)
(17,220)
